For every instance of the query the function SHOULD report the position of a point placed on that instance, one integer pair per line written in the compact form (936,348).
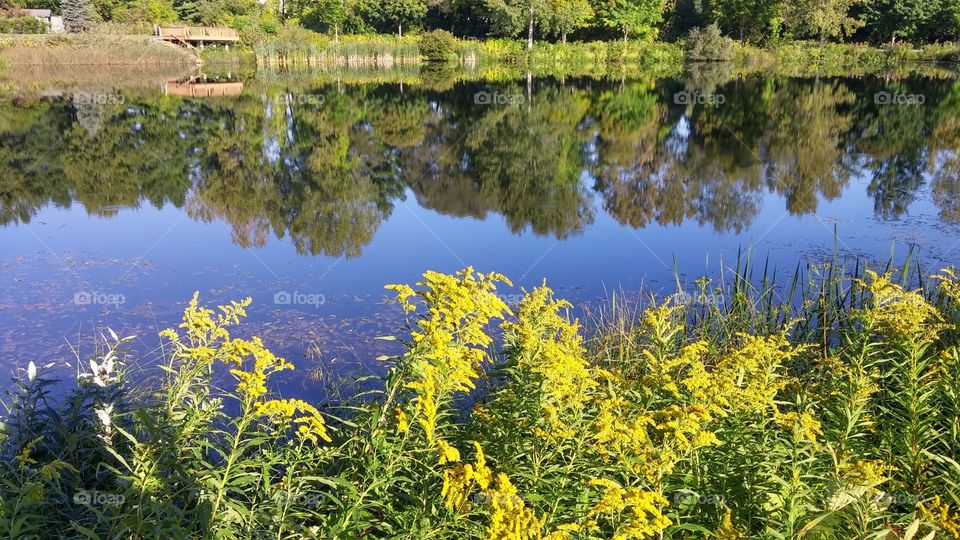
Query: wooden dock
(198,35)
(202,89)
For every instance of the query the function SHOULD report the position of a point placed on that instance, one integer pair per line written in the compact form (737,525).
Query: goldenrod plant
(826,409)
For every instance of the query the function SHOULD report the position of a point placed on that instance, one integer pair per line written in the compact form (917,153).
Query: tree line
(750,21)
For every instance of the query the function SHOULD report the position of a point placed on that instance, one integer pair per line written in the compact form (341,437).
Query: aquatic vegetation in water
(512,422)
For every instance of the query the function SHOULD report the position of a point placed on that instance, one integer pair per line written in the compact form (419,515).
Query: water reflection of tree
(807,148)
(892,139)
(324,167)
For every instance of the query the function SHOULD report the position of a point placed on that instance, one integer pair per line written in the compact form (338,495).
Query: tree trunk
(624,35)
(400,30)
(530,30)
(563,37)
(336,33)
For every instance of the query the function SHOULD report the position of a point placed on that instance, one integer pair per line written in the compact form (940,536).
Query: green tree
(569,15)
(824,19)
(510,17)
(78,15)
(900,19)
(630,17)
(333,13)
(400,13)
(747,19)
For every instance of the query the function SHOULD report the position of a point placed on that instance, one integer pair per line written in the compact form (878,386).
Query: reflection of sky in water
(157,258)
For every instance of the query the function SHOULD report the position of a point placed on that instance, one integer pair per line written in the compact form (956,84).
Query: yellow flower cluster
(862,473)
(549,346)
(208,341)
(949,284)
(510,517)
(726,530)
(744,380)
(802,425)
(282,412)
(939,512)
(633,513)
(899,313)
(24,457)
(449,347)
(253,384)
(461,480)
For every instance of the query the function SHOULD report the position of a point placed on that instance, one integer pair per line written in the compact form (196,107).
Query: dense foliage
(754,21)
(722,414)
(14,23)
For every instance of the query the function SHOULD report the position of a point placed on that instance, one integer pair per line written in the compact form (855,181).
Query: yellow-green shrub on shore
(739,419)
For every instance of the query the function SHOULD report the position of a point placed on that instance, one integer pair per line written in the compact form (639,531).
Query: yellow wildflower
(863,473)
(448,454)
(802,425)
(52,471)
(403,424)
(251,384)
(510,517)
(450,344)
(949,284)
(633,513)
(940,513)
(897,312)
(310,424)
(464,478)
(547,345)
(726,530)
(24,458)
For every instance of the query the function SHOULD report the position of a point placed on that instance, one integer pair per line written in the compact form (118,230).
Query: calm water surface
(309,195)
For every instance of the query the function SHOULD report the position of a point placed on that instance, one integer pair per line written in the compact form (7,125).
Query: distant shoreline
(507,57)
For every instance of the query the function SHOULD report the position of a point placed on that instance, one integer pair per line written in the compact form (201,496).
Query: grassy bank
(91,49)
(828,407)
(509,56)
(504,58)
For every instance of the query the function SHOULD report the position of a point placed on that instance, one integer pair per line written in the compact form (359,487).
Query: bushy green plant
(22,25)
(438,46)
(709,45)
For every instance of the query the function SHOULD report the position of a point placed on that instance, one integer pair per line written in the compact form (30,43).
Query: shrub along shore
(826,408)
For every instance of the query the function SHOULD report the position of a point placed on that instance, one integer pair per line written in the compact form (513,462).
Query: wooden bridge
(197,35)
(198,88)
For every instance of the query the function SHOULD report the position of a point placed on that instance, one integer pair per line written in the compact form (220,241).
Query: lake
(310,192)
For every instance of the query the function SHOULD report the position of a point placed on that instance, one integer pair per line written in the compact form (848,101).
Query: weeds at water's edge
(729,411)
